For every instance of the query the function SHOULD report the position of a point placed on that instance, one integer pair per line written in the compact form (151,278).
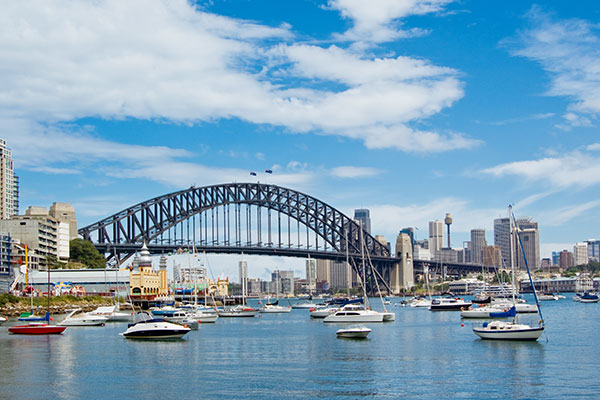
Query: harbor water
(422,355)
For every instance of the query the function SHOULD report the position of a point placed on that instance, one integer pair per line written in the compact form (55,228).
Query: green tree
(84,252)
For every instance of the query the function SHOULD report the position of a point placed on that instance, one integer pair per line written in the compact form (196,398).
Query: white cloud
(569,50)
(354,172)
(171,61)
(378,20)
(575,169)
(593,147)
(561,216)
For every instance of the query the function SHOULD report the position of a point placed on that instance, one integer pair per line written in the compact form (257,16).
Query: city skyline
(413,113)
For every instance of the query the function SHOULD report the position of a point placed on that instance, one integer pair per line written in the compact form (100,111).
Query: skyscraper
(502,240)
(243,270)
(593,247)
(477,244)
(436,237)
(311,274)
(363,216)
(9,184)
(580,253)
(530,238)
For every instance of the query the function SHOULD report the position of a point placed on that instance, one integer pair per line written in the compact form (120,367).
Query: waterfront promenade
(423,355)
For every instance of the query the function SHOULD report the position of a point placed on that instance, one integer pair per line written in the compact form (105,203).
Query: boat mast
(512,257)
(348,271)
(362,256)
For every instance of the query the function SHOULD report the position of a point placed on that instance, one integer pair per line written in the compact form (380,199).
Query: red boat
(36,328)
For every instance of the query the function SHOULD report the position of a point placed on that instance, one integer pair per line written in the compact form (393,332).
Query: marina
(420,355)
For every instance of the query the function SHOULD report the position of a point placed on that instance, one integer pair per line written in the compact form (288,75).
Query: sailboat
(274,308)
(513,330)
(241,310)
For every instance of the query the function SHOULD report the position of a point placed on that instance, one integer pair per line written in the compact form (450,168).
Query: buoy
(462,324)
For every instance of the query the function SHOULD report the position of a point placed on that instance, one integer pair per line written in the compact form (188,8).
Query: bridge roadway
(448,268)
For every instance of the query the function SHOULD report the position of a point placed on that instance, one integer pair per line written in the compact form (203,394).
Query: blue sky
(409,108)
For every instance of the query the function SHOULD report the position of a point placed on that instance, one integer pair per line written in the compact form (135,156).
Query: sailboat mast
(362,256)
(348,272)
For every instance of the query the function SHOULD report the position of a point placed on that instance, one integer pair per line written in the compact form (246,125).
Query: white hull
(83,322)
(323,312)
(375,317)
(389,316)
(233,313)
(302,306)
(353,333)
(275,310)
(523,334)
(155,330)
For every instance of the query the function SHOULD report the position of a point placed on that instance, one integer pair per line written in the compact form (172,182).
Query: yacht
(503,330)
(185,319)
(274,309)
(421,302)
(449,304)
(147,328)
(205,316)
(488,312)
(352,313)
(323,311)
(237,311)
(112,313)
(588,298)
(3,319)
(82,319)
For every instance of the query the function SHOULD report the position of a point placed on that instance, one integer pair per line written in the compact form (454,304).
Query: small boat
(83,319)
(304,306)
(274,309)
(158,328)
(322,312)
(354,313)
(165,311)
(488,312)
(185,319)
(501,330)
(353,332)
(32,317)
(588,297)
(36,328)
(449,304)
(420,302)
(112,313)
(238,311)
(3,320)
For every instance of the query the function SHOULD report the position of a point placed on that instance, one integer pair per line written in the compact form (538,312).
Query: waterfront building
(37,230)
(530,238)
(254,287)
(363,217)
(466,286)
(65,213)
(502,239)
(421,253)
(284,280)
(559,284)
(580,253)
(243,275)
(340,278)
(220,287)
(436,236)
(144,281)
(5,263)
(492,256)
(86,281)
(311,274)
(9,184)
(565,259)
(593,247)
(477,244)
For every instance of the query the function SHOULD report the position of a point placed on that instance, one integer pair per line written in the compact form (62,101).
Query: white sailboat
(75,318)
(274,308)
(503,330)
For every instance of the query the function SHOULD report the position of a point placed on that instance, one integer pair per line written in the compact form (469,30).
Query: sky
(410,108)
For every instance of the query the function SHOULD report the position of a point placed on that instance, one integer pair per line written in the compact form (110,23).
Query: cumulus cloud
(378,20)
(575,169)
(569,50)
(168,60)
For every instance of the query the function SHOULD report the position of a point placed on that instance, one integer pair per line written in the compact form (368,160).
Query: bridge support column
(402,274)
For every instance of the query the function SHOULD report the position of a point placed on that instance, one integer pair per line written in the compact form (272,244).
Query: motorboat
(547,297)
(588,298)
(185,319)
(421,302)
(165,311)
(323,311)
(449,304)
(3,319)
(36,328)
(82,319)
(502,330)
(154,328)
(205,316)
(353,332)
(274,309)
(237,311)
(389,316)
(112,313)
(304,305)
(352,313)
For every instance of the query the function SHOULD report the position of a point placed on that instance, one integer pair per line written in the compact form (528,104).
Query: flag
(268,171)
(252,173)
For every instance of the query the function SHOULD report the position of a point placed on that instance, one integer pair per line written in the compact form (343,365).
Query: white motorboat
(503,330)
(322,312)
(352,313)
(112,313)
(449,304)
(148,328)
(353,332)
(3,320)
(183,318)
(304,305)
(522,308)
(421,303)
(82,319)
(237,311)
(205,316)
(389,316)
(274,309)
(547,297)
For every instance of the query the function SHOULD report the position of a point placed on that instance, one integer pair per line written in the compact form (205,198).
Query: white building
(311,274)
(580,253)
(436,236)
(9,184)
(243,275)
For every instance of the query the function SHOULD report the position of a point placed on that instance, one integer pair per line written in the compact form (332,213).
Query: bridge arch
(333,232)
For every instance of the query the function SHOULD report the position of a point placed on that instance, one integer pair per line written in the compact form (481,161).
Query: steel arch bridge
(251,218)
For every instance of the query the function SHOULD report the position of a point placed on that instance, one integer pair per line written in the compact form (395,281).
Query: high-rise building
(363,217)
(9,184)
(324,271)
(341,277)
(477,244)
(566,259)
(502,240)
(530,239)
(64,212)
(492,256)
(580,253)
(311,274)
(243,275)
(555,257)
(593,247)
(436,236)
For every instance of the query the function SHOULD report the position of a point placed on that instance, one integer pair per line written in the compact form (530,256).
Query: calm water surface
(422,355)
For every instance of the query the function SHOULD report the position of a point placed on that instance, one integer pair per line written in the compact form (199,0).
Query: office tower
(530,239)
(243,274)
(9,184)
(324,271)
(593,246)
(566,259)
(556,257)
(492,256)
(311,274)
(477,244)
(436,237)
(580,253)
(502,239)
(363,217)
(340,275)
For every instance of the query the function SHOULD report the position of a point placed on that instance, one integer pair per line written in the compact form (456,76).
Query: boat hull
(354,318)
(155,330)
(517,334)
(37,329)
